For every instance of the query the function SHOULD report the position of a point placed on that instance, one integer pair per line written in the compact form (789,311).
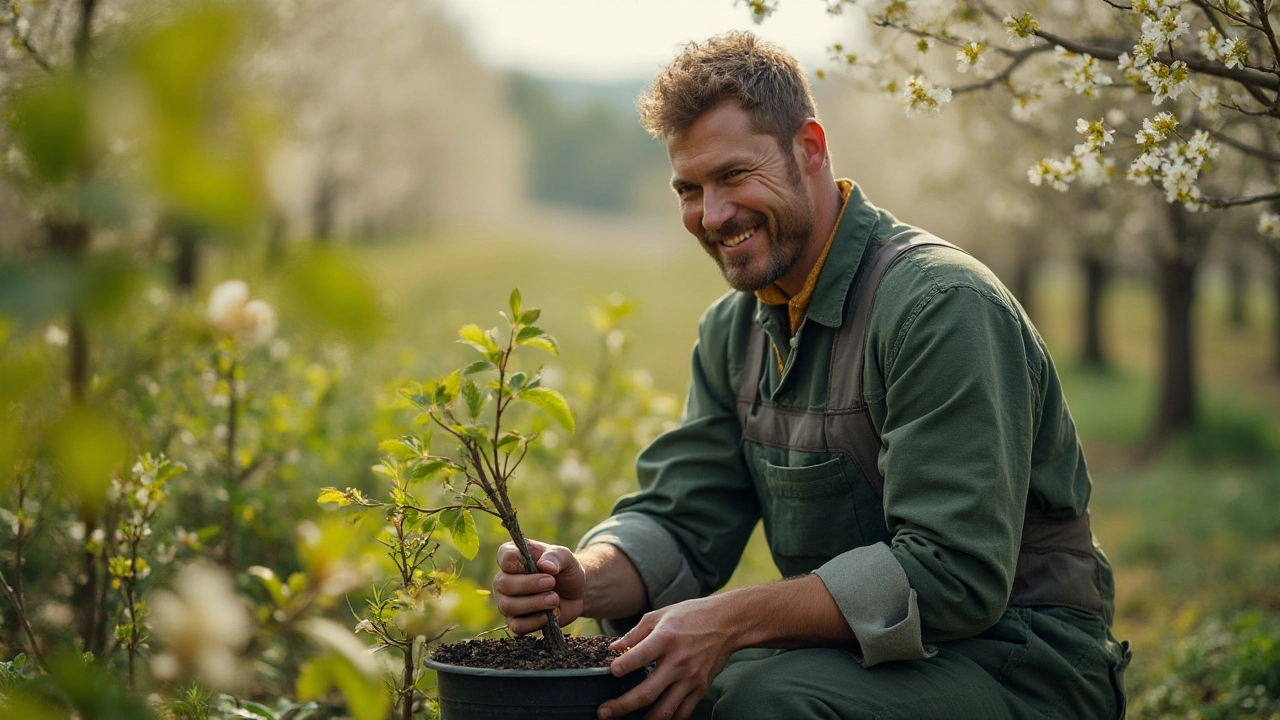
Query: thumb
(554,559)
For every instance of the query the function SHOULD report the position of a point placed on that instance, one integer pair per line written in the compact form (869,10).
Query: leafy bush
(1222,671)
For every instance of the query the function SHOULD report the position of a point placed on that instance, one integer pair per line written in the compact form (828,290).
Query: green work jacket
(975,436)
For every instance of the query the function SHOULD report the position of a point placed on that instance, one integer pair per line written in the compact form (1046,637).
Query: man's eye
(733,174)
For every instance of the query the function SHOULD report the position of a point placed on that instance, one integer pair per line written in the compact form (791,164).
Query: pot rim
(505,672)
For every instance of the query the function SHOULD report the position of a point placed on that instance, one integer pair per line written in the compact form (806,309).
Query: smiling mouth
(740,238)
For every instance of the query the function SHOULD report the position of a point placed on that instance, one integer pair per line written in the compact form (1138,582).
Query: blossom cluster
(232,313)
(922,95)
(1175,165)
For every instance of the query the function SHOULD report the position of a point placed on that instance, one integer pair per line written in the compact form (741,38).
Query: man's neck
(827,201)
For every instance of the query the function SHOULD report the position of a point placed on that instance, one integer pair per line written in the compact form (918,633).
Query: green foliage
(1221,671)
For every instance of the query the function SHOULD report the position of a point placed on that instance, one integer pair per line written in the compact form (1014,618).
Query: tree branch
(22,619)
(1003,76)
(1246,77)
(1236,202)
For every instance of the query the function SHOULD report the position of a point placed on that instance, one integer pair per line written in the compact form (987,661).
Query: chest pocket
(812,508)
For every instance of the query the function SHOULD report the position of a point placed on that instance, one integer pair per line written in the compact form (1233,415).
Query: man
(949,571)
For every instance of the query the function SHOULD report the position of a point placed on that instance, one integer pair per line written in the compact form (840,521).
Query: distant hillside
(586,147)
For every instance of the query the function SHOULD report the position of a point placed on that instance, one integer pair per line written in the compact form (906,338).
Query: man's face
(741,196)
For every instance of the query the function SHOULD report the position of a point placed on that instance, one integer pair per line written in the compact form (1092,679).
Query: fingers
(513,606)
(526,624)
(667,692)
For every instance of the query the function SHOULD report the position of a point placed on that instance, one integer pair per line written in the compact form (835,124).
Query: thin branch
(1003,76)
(1267,30)
(25,40)
(1228,14)
(1257,152)
(1247,200)
(22,619)
(1246,77)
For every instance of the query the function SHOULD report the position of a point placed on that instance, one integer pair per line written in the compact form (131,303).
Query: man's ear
(811,146)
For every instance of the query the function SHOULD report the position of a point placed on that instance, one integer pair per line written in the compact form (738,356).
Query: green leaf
(427,468)
(475,399)
(462,529)
(534,336)
(552,402)
(477,366)
(401,448)
(448,389)
(479,339)
(365,695)
(50,120)
(515,303)
(508,440)
(530,316)
(333,495)
(272,583)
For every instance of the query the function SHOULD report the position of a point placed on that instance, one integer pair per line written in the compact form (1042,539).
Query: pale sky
(606,40)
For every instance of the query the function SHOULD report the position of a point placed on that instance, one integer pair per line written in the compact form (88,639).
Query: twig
(22,619)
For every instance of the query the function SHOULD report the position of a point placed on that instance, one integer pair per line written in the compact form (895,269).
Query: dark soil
(527,653)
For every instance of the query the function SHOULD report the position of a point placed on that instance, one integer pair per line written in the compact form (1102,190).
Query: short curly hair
(763,78)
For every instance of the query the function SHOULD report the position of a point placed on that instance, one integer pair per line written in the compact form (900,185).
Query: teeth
(738,239)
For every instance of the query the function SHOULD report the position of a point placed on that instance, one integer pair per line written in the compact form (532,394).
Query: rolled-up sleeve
(873,594)
(654,553)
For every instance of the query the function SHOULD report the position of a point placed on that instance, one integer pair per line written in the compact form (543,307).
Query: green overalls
(968,576)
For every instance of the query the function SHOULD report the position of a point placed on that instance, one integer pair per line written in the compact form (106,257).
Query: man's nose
(716,210)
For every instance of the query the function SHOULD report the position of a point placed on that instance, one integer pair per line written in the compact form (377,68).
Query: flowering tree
(1174,90)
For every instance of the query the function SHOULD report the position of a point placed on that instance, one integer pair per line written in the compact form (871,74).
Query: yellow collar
(797,306)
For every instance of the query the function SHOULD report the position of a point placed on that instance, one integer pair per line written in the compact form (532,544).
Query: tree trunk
(1097,275)
(1275,265)
(186,266)
(1177,268)
(1237,293)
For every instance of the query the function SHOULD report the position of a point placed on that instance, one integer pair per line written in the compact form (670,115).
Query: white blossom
(1156,129)
(1208,105)
(920,94)
(1096,135)
(231,312)
(1021,29)
(1026,106)
(1164,27)
(1083,73)
(1230,51)
(1057,174)
(1269,224)
(1145,168)
(971,57)
(203,624)
(1166,81)
(56,336)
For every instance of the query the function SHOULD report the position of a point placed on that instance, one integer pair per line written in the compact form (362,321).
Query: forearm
(789,614)
(613,585)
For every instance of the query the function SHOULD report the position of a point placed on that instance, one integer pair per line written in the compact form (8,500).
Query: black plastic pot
(468,693)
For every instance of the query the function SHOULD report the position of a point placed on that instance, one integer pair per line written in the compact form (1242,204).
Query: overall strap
(1056,564)
(846,405)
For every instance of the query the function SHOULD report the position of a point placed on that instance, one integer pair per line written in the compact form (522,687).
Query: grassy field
(1192,528)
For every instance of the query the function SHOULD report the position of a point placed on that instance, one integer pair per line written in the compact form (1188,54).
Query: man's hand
(690,642)
(525,599)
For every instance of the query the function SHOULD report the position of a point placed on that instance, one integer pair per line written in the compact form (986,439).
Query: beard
(790,228)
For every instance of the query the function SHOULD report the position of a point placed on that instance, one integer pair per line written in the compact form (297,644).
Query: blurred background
(377,174)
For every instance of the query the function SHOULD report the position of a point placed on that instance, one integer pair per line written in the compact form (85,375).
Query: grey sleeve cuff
(666,574)
(877,601)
